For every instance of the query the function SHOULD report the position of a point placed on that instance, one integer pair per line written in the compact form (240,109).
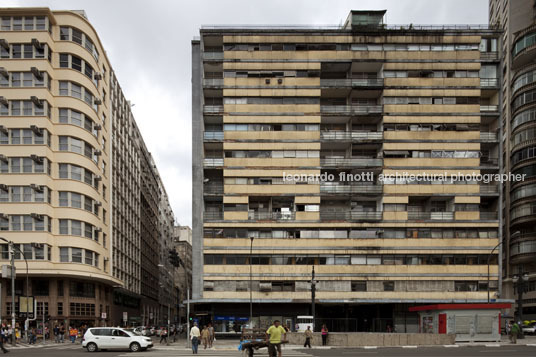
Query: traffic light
(174,258)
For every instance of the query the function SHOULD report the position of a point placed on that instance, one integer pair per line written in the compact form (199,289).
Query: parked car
(97,338)
(529,329)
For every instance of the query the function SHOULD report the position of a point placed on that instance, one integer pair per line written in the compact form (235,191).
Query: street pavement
(228,348)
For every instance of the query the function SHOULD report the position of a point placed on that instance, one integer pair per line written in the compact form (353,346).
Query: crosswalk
(169,352)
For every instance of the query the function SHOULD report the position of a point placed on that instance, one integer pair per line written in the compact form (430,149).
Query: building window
(25,108)
(75,35)
(359,285)
(388,286)
(60,308)
(68,60)
(79,255)
(81,309)
(81,289)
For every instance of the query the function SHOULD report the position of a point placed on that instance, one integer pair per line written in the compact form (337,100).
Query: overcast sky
(148,44)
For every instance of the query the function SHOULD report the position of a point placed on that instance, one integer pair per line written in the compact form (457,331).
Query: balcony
(489,216)
(440,216)
(351,216)
(213,135)
(271,216)
(213,109)
(351,135)
(489,82)
(213,215)
(213,55)
(213,189)
(351,82)
(212,162)
(350,162)
(489,162)
(489,189)
(351,109)
(488,136)
(213,82)
(489,109)
(335,188)
(489,56)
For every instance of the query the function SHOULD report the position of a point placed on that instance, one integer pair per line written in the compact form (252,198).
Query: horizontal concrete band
(350,301)
(348,248)
(207,275)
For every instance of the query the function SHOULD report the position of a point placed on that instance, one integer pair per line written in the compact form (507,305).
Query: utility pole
(250,284)
(313,291)
(13,334)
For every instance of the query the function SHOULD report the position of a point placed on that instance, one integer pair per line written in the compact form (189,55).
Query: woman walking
(324,335)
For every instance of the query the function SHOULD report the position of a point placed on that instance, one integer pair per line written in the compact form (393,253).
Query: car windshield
(132,332)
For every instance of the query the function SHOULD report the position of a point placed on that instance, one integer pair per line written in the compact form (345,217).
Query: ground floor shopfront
(228,318)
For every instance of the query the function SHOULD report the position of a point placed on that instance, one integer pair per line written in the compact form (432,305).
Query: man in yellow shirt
(273,337)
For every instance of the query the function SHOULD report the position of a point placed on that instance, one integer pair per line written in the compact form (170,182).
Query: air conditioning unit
(36,73)
(37,159)
(37,188)
(97,127)
(3,129)
(97,101)
(106,259)
(3,100)
(36,130)
(4,72)
(3,158)
(97,178)
(267,81)
(36,101)
(97,152)
(37,216)
(4,44)
(3,216)
(280,81)
(3,187)
(36,43)
(98,203)
(98,229)
(97,76)
(37,245)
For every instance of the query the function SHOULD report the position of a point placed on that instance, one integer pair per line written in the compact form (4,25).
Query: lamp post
(313,292)
(250,283)
(169,303)
(489,256)
(12,247)
(520,280)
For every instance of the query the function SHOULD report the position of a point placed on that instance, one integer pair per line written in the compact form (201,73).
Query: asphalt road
(162,351)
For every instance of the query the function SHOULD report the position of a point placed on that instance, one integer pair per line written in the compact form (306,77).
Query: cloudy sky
(148,44)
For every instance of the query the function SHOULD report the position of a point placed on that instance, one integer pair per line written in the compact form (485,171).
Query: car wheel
(134,347)
(91,347)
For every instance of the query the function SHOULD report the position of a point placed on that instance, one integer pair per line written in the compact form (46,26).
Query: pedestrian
(163,335)
(194,336)
(73,332)
(211,336)
(508,328)
(308,336)
(56,332)
(62,333)
(175,333)
(204,337)
(2,344)
(514,331)
(273,338)
(3,331)
(324,332)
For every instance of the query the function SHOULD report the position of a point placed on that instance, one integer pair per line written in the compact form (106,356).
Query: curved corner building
(517,17)
(59,104)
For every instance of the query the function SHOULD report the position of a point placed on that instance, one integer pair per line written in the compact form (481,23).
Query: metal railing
(489,82)
(329,187)
(213,189)
(489,56)
(213,55)
(351,109)
(351,135)
(489,108)
(213,135)
(212,162)
(489,189)
(488,136)
(354,162)
(351,215)
(431,215)
(217,109)
(212,215)
(352,82)
(213,82)
(489,216)
(275,216)
(489,161)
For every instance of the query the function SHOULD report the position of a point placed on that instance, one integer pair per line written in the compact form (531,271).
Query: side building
(72,193)
(518,19)
(341,106)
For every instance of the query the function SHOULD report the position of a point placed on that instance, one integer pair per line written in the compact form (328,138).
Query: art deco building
(518,19)
(361,98)
(76,193)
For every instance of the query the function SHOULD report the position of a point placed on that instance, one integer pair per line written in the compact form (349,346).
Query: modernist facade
(78,187)
(345,105)
(518,19)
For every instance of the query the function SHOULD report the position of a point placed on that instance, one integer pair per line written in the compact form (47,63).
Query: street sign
(6,271)
(125,316)
(103,315)
(22,304)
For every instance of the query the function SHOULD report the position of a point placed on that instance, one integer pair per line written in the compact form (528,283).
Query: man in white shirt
(194,336)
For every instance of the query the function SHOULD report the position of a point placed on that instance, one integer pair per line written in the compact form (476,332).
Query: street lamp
(313,292)
(12,246)
(169,303)
(250,283)
(520,288)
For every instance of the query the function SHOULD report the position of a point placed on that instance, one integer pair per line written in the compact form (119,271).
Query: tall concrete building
(339,107)
(78,188)
(518,19)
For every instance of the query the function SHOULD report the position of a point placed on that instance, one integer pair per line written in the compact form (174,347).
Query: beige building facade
(297,134)
(73,196)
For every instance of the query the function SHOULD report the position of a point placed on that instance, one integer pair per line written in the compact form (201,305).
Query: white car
(97,338)
(529,329)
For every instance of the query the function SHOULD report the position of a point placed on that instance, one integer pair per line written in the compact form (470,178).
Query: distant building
(183,275)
